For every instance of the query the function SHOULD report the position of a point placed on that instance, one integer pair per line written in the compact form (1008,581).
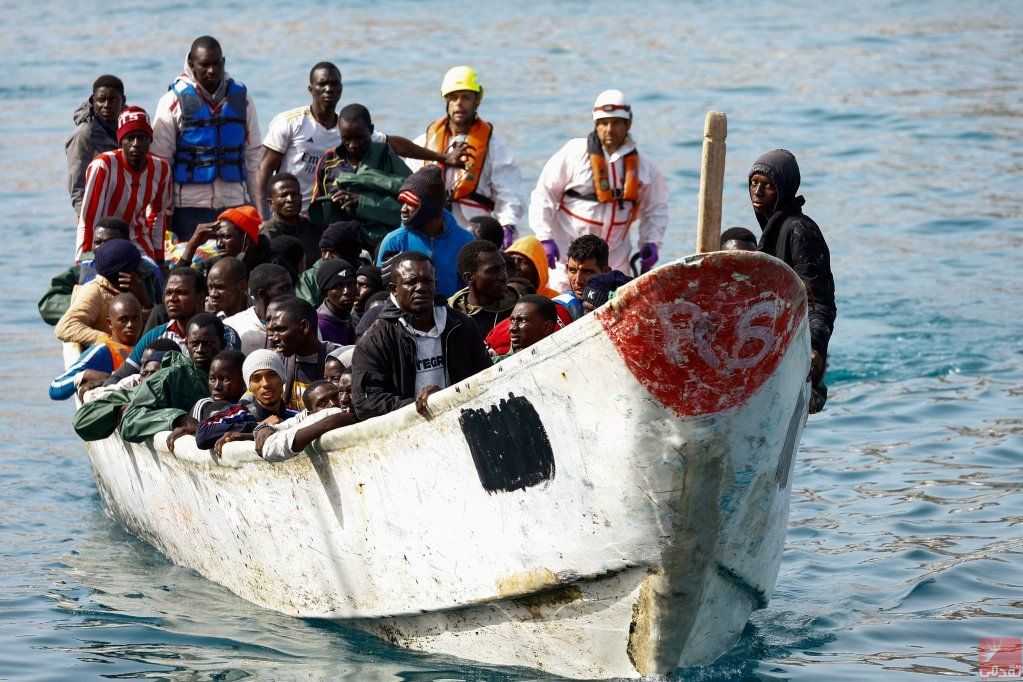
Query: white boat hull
(611,502)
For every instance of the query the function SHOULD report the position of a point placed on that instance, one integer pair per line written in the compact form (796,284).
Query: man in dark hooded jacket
(416,347)
(95,132)
(793,237)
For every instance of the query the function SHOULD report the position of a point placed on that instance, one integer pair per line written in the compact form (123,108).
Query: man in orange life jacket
(490,184)
(601,185)
(206,127)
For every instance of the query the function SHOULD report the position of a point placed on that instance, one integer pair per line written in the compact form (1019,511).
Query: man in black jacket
(416,347)
(793,237)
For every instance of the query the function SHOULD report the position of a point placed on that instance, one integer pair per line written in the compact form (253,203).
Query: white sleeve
(165,128)
(653,206)
(505,178)
(415,164)
(278,447)
(279,134)
(253,147)
(548,193)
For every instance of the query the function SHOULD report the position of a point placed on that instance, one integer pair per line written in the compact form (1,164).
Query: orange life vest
(438,138)
(601,181)
(118,352)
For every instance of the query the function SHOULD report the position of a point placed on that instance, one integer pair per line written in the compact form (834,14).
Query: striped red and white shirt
(143,199)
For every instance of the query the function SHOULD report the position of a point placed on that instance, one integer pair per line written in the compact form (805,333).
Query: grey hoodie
(91,137)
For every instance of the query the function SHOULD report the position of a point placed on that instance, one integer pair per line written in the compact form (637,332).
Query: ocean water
(904,544)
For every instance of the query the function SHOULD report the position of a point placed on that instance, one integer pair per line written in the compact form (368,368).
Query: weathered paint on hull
(599,505)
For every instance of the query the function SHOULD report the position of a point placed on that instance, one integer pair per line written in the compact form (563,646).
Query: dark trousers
(185,218)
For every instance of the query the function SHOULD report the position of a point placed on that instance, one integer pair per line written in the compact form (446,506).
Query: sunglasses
(608,108)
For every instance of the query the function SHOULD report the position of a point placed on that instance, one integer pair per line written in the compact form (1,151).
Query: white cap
(263,359)
(611,104)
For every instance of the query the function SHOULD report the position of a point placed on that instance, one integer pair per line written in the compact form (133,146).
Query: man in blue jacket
(429,228)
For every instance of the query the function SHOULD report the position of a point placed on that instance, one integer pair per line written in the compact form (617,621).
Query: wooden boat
(611,502)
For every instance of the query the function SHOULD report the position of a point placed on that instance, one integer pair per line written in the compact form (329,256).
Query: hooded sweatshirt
(218,194)
(791,236)
(92,136)
(531,248)
(442,250)
(485,317)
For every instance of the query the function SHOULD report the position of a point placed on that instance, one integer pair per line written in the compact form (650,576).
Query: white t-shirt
(302,141)
(430,368)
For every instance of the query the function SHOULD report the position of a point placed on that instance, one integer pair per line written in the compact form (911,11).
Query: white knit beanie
(262,359)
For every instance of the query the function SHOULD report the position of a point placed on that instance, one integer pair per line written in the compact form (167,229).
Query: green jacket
(57,298)
(163,397)
(306,287)
(98,419)
(377,180)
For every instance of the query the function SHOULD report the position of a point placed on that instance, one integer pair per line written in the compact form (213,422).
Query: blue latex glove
(648,254)
(551,249)
(509,236)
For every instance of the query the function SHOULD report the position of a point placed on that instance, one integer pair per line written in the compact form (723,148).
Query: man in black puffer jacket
(793,237)
(416,347)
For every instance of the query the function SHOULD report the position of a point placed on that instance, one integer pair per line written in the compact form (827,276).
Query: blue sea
(904,542)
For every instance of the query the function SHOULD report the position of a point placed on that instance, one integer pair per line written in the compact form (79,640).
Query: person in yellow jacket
(490,184)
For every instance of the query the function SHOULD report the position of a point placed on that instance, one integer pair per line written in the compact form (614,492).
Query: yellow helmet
(460,78)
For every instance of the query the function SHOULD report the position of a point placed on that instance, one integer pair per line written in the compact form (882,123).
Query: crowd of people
(233,286)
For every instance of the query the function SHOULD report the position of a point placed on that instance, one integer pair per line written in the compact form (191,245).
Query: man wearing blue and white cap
(601,185)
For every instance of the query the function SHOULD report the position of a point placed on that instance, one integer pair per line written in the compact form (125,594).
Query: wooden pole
(712,180)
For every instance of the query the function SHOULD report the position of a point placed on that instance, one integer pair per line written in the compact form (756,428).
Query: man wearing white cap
(601,185)
(490,184)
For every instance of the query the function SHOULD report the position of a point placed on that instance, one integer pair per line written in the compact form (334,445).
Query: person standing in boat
(416,347)
(601,185)
(95,132)
(791,236)
(128,183)
(490,184)
(206,127)
(298,138)
(429,228)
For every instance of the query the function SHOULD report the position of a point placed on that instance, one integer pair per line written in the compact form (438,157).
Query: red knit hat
(132,119)
(246,218)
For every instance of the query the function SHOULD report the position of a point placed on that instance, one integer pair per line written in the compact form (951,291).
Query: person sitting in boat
(534,318)
(791,236)
(486,227)
(117,271)
(286,218)
(601,288)
(95,132)
(264,375)
(153,354)
(298,138)
(227,386)
(587,256)
(416,347)
(293,331)
(531,263)
(490,184)
(57,299)
(337,283)
(184,297)
(176,387)
(429,228)
(487,299)
(228,285)
(288,253)
(266,282)
(738,239)
(368,281)
(324,412)
(601,185)
(359,179)
(128,183)
(163,401)
(342,240)
(124,315)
